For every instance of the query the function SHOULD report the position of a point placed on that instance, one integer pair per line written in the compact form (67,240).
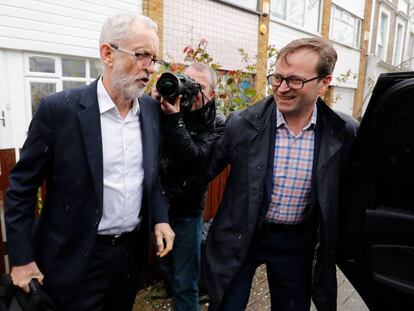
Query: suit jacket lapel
(331,137)
(90,125)
(260,148)
(148,143)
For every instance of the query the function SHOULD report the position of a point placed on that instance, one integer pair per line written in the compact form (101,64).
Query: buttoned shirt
(123,172)
(292,171)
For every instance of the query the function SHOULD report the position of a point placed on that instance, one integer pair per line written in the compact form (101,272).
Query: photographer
(193,124)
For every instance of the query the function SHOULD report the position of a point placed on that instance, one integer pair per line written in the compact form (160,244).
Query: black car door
(376,249)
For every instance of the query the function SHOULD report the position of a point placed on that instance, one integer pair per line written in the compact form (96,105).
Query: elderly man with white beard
(97,149)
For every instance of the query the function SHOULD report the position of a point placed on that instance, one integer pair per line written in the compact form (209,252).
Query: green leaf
(250,92)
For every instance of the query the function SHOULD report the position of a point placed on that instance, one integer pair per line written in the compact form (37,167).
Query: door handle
(3,118)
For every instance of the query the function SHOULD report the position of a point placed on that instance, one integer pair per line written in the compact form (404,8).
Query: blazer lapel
(331,137)
(148,143)
(90,125)
(260,148)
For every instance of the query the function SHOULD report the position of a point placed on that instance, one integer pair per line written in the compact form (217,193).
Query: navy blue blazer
(64,147)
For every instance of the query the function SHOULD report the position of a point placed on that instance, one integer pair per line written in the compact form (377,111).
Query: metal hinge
(3,118)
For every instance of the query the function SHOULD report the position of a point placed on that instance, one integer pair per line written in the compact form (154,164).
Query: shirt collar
(106,103)
(280,120)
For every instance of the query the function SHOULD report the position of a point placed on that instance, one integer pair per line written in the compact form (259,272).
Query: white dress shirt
(123,171)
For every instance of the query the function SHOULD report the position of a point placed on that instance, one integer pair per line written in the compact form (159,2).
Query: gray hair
(116,28)
(201,67)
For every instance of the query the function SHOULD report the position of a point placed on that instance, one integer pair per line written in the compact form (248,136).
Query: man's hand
(21,275)
(163,232)
(168,108)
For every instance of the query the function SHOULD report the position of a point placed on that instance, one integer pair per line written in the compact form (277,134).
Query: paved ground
(154,298)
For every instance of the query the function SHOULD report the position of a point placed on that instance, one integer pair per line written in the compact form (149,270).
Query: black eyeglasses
(144,58)
(293,83)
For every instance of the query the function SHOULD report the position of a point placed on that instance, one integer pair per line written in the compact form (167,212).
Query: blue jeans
(181,266)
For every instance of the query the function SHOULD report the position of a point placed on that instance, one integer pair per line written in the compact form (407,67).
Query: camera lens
(168,88)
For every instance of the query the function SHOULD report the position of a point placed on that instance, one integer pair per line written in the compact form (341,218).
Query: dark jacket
(183,183)
(248,146)
(64,147)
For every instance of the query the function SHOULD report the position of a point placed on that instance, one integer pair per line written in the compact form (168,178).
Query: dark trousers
(285,249)
(111,278)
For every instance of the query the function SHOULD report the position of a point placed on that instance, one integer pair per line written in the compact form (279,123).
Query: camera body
(171,85)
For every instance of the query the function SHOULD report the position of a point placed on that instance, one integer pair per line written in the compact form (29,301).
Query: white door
(5,105)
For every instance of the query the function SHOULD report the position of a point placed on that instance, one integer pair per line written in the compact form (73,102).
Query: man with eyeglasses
(280,206)
(97,149)
(194,127)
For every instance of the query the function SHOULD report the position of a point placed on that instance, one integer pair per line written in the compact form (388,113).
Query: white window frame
(358,27)
(300,27)
(56,78)
(385,45)
(411,50)
(28,94)
(403,6)
(401,23)
(28,73)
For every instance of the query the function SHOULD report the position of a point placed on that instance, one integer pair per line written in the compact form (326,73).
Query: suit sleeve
(24,181)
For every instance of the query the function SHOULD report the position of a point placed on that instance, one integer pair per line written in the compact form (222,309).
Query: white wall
(343,100)
(226,29)
(348,59)
(68,27)
(280,34)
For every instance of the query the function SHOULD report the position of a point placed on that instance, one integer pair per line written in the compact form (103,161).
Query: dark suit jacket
(248,146)
(64,147)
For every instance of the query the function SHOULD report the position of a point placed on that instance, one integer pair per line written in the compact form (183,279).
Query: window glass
(346,28)
(38,90)
(312,10)
(278,9)
(96,68)
(295,12)
(73,67)
(398,45)
(71,84)
(382,35)
(41,64)
(303,13)
(46,77)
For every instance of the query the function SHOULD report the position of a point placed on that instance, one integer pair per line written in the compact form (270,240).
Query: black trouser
(285,249)
(111,279)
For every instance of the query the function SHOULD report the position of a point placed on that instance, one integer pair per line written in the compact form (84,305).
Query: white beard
(125,84)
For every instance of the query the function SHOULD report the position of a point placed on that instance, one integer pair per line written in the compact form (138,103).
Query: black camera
(171,85)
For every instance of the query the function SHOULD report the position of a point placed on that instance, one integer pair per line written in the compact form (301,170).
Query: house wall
(226,28)
(49,28)
(68,27)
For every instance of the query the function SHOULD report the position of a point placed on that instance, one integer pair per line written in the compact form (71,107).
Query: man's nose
(284,86)
(150,68)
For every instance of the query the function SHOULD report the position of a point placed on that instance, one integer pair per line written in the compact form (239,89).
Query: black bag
(13,298)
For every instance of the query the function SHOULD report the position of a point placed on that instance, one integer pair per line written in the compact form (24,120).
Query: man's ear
(212,94)
(325,84)
(107,54)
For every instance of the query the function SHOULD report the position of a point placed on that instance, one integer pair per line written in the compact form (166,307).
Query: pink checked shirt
(292,171)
